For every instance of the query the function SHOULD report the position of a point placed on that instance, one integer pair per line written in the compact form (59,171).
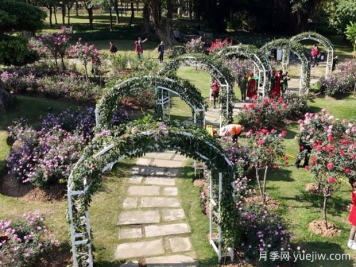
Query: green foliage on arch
(299,50)
(313,36)
(134,140)
(215,66)
(217,70)
(133,86)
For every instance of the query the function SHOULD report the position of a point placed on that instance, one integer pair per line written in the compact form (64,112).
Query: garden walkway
(153,226)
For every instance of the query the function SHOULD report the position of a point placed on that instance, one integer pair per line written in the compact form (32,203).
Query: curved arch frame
(324,41)
(261,63)
(217,70)
(109,147)
(300,51)
(186,91)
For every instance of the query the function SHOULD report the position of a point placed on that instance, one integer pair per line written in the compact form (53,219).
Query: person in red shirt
(314,53)
(233,130)
(252,87)
(352,216)
(215,92)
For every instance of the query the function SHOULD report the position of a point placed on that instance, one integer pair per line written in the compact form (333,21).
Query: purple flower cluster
(24,239)
(45,154)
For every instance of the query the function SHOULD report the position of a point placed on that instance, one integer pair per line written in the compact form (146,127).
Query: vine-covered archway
(263,66)
(320,39)
(133,86)
(217,70)
(287,45)
(134,140)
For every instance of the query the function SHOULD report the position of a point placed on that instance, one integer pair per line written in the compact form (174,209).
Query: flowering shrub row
(341,82)
(69,86)
(269,113)
(44,154)
(24,240)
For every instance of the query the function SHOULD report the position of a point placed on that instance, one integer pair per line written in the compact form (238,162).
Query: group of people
(248,86)
(139,48)
(279,83)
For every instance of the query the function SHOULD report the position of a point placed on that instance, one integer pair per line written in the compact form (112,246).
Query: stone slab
(143,190)
(130,264)
(148,171)
(168,229)
(159,181)
(135,179)
(129,203)
(164,155)
(160,202)
(167,163)
(130,233)
(143,161)
(138,217)
(171,261)
(173,214)
(180,157)
(139,249)
(170,191)
(180,244)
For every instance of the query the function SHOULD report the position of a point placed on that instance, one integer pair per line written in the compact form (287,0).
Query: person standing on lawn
(243,84)
(215,91)
(161,52)
(140,43)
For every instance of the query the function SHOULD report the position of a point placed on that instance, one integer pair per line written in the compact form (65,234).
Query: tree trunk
(146,20)
(63,7)
(6,99)
(116,5)
(132,14)
(50,15)
(324,210)
(163,26)
(110,13)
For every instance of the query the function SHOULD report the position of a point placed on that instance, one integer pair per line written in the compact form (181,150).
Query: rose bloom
(331,180)
(329,166)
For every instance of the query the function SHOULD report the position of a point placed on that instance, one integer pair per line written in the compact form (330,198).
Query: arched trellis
(300,51)
(217,70)
(134,140)
(320,39)
(261,63)
(132,86)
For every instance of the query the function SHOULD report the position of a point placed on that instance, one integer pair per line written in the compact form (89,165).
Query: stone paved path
(152,226)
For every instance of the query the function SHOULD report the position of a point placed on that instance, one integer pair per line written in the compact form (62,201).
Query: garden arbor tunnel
(134,140)
(320,39)
(162,86)
(303,54)
(217,70)
(261,63)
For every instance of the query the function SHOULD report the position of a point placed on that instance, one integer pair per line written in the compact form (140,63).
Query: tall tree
(16,16)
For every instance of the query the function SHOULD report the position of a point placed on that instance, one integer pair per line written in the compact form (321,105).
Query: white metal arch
(320,39)
(81,240)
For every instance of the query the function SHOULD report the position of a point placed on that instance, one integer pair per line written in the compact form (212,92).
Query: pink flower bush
(86,54)
(333,150)
(218,45)
(24,240)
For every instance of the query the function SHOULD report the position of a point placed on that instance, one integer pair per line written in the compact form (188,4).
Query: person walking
(314,54)
(243,84)
(112,48)
(161,52)
(352,216)
(138,49)
(215,91)
(252,87)
(140,43)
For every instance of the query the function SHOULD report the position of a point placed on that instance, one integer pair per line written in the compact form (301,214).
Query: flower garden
(43,151)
